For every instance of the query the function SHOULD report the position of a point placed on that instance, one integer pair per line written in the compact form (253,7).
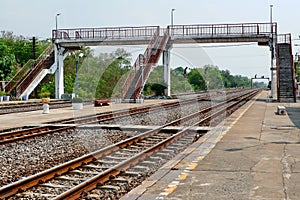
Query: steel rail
(10,137)
(31,133)
(33,180)
(14,136)
(92,183)
(126,112)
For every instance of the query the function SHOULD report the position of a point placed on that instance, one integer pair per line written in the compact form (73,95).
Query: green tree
(178,71)
(7,62)
(212,76)
(228,79)
(109,79)
(159,89)
(241,81)
(297,68)
(196,80)
(99,76)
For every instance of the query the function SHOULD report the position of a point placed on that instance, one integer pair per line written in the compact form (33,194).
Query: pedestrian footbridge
(159,42)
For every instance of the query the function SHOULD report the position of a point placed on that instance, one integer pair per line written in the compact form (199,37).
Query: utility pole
(273,85)
(34,47)
(56,34)
(172,19)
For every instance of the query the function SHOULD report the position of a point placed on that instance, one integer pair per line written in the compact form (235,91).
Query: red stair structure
(142,67)
(25,76)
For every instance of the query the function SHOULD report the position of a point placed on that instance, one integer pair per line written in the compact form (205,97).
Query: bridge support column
(60,54)
(167,70)
(273,69)
(273,84)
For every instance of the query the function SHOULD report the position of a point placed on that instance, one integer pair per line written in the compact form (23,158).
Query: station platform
(253,155)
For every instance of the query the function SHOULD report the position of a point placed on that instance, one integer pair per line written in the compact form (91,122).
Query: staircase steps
(29,72)
(285,73)
(143,66)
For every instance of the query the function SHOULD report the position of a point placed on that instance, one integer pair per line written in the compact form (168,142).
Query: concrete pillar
(274,84)
(59,73)
(167,71)
(273,69)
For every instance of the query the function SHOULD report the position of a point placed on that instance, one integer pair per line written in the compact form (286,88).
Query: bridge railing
(284,38)
(110,32)
(223,29)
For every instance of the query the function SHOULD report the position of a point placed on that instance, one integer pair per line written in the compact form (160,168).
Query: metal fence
(284,38)
(223,29)
(112,32)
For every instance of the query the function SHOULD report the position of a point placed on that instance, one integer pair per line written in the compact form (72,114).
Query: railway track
(29,133)
(11,136)
(26,134)
(127,161)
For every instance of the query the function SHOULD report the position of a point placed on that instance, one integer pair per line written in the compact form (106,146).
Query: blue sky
(37,18)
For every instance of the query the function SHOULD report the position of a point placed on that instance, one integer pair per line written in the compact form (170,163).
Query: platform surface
(254,154)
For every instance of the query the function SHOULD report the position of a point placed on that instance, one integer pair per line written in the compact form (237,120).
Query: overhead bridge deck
(159,42)
(205,33)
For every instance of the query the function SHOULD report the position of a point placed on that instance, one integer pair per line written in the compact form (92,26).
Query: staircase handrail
(23,72)
(148,65)
(27,80)
(136,65)
(45,53)
(33,72)
(19,75)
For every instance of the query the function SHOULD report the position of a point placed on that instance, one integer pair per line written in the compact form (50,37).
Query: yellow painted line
(170,189)
(192,166)
(212,140)
(207,151)
(200,158)
(163,194)
(182,176)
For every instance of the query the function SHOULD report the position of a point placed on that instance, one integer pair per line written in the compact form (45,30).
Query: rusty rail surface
(27,134)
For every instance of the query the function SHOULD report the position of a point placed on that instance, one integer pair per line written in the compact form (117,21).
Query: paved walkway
(254,155)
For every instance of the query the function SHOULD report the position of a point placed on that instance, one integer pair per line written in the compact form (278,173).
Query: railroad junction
(249,153)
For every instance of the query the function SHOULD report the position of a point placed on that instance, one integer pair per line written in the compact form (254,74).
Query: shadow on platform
(294,115)
(261,99)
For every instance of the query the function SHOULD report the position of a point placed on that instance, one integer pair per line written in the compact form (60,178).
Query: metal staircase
(285,71)
(28,77)
(142,67)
